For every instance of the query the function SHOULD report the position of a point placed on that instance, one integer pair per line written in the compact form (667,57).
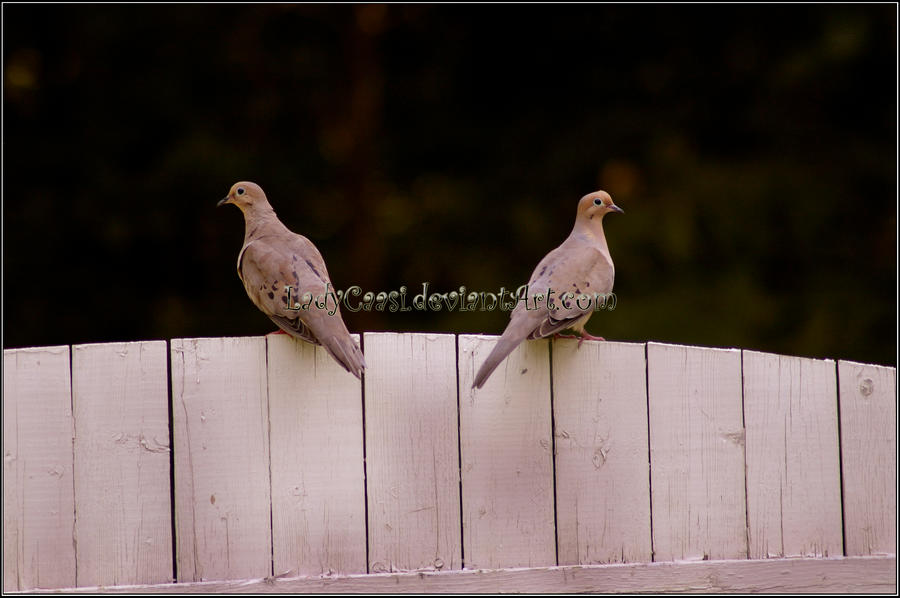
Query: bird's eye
(598,201)
(240,191)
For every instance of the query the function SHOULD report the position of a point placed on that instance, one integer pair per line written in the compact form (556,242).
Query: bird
(284,275)
(582,264)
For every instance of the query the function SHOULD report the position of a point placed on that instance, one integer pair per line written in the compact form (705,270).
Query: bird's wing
(279,270)
(285,276)
(574,267)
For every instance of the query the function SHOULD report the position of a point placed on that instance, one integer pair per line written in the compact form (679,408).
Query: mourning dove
(283,272)
(580,265)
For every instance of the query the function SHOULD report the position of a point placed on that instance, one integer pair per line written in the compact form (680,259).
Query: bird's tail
(514,334)
(347,353)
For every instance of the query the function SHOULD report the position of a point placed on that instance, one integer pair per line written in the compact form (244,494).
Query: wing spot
(313,268)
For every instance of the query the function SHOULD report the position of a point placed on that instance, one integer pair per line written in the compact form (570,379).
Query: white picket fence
(609,467)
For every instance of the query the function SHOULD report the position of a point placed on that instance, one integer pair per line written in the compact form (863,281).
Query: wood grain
(123,503)
(698,501)
(862,575)
(221,425)
(273,431)
(868,405)
(316,437)
(412,452)
(38,486)
(507,461)
(793,464)
(602,461)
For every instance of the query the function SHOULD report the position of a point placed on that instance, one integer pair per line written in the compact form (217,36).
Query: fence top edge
(661,345)
(178,341)
(826,360)
(188,339)
(427,335)
(52,349)
(886,368)
(119,345)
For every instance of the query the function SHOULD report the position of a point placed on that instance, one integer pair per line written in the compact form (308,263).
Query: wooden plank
(316,439)
(412,452)
(602,461)
(793,463)
(123,510)
(38,488)
(220,412)
(868,407)
(862,575)
(507,465)
(698,502)
(13,499)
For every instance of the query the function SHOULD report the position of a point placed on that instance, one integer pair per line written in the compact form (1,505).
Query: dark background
(752,148)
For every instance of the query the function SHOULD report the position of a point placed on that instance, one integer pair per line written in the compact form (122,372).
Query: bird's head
(244,195)
(596,205)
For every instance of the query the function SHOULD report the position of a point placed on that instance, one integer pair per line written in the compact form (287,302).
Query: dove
(582,264)
(282,272)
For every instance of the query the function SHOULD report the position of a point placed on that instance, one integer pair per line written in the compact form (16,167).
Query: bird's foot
(590,337)
(561,335)
(581,336)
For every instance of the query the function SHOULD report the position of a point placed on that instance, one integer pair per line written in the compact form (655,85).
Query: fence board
(863,575)
(602,465)
(868,395)
(696,453)
(220,412)
(507,465)
(316,439)
(123,515)
(38,488)
(412,452)
(86,495)
(793,471)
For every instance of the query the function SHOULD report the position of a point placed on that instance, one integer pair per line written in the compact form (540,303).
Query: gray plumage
(582,264)
(278,268)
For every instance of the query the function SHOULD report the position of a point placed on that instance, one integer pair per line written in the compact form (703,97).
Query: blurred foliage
(751,146)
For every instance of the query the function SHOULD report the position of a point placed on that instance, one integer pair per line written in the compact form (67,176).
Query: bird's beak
(616,208)
(223,201)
